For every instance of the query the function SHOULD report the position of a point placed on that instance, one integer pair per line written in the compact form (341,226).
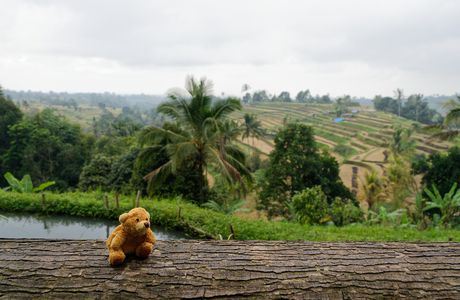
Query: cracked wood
(70,269)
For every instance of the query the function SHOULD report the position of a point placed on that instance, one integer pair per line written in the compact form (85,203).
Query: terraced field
(367,133)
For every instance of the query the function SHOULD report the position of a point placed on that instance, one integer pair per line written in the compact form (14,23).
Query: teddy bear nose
(147,224)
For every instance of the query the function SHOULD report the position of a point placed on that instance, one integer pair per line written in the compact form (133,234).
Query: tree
(310,206)
(402,143)
(251,127)
(416,108)
(122,170)
(386,104)
(48,148)
(246,87)
(444,170)
(197,139)
(284,97)
(96,174)
(260,96)
(303,96)
(373,190)
(152,156)
(296,164)
(451,125)
(9,115)
(399,94)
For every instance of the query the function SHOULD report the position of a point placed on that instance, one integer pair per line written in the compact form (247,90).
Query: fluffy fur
(132,236)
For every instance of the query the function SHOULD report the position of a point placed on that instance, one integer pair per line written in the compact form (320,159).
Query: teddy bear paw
(116,258)
(144,250)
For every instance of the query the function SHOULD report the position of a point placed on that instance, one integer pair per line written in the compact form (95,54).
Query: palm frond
(159,173)
(180,153)
(223,108)
(156,135)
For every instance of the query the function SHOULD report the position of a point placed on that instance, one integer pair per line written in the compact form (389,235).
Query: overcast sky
(362,48)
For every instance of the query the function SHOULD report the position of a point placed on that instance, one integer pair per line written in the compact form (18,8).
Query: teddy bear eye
(137,220)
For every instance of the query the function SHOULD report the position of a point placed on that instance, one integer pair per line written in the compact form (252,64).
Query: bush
(310,206)
(344,212)
(344,150)
(165,213)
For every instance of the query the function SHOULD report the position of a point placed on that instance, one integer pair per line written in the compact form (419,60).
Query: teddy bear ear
(123,217)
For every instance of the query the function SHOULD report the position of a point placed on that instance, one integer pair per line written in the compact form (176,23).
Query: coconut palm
(252,127)
(198,138)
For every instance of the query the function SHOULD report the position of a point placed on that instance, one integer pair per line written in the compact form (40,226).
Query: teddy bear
(132,236)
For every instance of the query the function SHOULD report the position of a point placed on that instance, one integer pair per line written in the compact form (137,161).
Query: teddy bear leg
(116,257)
(144,250)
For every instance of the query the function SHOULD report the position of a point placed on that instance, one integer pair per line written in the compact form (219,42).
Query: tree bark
(68,269)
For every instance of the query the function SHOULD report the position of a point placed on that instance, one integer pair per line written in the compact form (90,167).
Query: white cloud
(356,47)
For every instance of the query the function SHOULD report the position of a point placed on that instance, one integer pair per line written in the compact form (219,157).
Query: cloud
(364,47)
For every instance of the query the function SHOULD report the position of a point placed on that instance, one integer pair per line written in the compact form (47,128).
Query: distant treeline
(415,107)
(301,97)
(92,99)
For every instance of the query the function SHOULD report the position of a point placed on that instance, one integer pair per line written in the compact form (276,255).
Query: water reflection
(15,225)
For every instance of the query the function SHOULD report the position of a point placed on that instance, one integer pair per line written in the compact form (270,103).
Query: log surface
(71,269)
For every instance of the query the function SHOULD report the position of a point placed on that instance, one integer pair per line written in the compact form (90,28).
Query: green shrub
(344,150)
(310,206)
(344,212)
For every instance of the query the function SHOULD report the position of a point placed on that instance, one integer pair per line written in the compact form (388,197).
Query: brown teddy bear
(133,236)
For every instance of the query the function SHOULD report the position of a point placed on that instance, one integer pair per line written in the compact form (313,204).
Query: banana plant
(448,205)
(25,184)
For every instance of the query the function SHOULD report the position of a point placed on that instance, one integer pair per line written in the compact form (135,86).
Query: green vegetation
(197,142)
(310,206)
(448,205)
(25,184)
(207,150)
(296,164)
(166,212)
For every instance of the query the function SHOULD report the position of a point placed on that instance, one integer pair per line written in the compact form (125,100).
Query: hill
(358,142)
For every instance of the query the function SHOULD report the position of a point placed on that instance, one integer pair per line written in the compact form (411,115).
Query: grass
(165,212)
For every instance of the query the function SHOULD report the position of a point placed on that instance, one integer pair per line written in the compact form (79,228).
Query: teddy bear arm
(150,237)
(117,242)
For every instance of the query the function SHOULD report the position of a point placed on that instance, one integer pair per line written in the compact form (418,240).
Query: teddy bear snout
(147,224)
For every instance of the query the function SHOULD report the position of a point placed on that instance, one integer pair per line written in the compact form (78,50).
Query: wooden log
(69,269)
(117,200)
(138,198)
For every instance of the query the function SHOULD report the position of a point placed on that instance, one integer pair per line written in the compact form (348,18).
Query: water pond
(19,225)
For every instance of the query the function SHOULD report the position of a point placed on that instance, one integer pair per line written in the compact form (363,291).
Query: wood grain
(78,269)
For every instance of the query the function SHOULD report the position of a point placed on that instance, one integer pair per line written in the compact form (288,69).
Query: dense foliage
(296,164)
(165,213)
(197,141)
(414,108)
(48,148)
(442,170)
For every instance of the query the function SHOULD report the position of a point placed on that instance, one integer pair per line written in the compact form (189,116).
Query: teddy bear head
(136,221)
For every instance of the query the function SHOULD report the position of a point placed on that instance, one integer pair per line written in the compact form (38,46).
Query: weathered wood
(223,269)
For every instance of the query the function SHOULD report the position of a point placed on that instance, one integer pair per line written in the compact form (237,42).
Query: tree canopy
(296,164)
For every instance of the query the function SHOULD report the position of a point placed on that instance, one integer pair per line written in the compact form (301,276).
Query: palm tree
(399,94)
(197,137)
(373,188)
(252,127)
(402,143)
(450,128)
